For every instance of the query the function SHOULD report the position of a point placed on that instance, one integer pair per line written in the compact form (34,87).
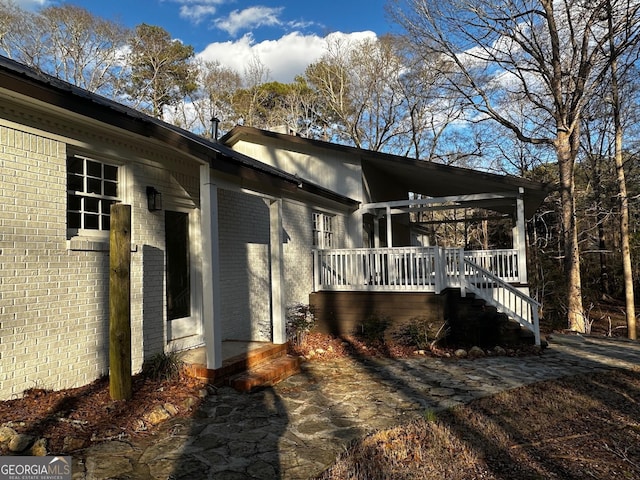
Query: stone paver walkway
(296,429)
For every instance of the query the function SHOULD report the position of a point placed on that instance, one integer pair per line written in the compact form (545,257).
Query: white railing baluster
(504,296)
(429,269)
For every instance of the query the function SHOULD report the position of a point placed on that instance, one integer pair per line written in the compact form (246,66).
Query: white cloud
(196,13)
(249,18)
(285,58)
(196,10)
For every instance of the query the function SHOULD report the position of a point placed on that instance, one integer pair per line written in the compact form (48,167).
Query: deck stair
(250,368)
(475,322)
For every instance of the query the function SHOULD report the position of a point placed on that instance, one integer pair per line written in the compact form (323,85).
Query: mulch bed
(76,418)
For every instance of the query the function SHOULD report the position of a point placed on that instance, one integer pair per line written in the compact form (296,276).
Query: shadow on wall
(244,265)
(152,301)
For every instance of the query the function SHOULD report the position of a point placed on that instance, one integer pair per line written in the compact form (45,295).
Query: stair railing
(505,297)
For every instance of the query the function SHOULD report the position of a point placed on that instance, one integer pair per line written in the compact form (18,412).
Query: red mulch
(87,414)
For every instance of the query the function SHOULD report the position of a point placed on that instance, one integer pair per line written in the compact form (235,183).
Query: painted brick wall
(298,259)
(54,292)
(53,301)
(244,266)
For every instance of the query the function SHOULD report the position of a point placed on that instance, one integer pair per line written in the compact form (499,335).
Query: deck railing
(506,298)
(486,273)
(428,269)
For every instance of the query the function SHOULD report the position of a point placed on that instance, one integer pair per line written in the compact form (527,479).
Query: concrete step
(266,374)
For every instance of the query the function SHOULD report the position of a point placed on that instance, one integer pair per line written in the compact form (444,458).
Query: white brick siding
(244,261)
(298,248)
(54,292)
(244,266)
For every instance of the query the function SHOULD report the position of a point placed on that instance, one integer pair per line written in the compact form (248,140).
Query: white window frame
(100,232)
(323,229)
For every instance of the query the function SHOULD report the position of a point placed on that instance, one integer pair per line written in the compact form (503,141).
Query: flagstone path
(296,429)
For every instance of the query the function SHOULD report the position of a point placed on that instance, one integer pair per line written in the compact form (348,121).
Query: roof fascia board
(419,202)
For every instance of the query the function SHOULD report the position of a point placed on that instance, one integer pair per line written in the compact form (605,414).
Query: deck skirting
(341,313)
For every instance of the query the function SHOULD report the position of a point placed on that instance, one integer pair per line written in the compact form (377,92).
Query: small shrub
(420,333)
(430,416)
(163,366)
(374,327)
(300,321)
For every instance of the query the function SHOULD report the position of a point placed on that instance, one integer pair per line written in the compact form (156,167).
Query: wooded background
(543,89)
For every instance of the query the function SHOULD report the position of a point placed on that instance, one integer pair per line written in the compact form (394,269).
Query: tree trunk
(624,242)
(627,270)
(622,187)
(575,316)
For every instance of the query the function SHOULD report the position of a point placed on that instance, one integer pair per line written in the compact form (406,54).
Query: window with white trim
(92,187)
(322,230)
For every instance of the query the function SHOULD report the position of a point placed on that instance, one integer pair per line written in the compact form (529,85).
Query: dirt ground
(575,428)
(78,417)
(580,427)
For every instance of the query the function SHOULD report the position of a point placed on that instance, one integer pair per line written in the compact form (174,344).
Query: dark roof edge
(29,82)
(236,134)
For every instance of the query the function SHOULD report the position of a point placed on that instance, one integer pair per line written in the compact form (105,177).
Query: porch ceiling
(389,176)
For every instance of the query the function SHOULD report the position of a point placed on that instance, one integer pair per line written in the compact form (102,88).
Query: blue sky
(286,36)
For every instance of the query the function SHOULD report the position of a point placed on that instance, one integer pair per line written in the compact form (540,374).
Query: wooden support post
(120,303)
(520,238)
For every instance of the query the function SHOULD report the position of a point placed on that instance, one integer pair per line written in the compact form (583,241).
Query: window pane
(110,189)
(75,165)
(94,185)
(73,220)
(91,222)
(90,177)
(74,183)
(91,205)
(94,169)
(73,202)
(110,172)
(106,206)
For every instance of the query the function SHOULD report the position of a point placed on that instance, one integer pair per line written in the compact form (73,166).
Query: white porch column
(211,317)
(389,229)
(376,231)
(278,315)
(520,237)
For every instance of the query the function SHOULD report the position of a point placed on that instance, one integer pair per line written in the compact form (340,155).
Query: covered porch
(496,275)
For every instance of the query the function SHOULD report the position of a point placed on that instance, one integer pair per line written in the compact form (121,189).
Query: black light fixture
(154,199)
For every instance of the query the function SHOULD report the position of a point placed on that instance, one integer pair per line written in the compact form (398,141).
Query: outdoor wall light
(154,199)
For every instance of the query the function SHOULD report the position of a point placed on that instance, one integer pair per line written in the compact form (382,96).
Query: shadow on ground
(298,428)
